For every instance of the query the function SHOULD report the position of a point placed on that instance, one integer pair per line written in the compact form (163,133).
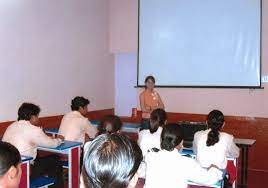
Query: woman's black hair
(171,137)
(215,121)
(150,78)
(9,156)
(79,102)
(158,119)
(27,110)
(110,124)
(111,161)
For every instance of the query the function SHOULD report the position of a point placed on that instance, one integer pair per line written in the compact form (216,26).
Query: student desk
(72,149)
(244,144)
(127,127)
(25,175)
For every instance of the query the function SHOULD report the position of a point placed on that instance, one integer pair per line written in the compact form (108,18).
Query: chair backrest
(188,130)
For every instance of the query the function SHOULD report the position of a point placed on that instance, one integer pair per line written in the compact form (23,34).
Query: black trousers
(50,166)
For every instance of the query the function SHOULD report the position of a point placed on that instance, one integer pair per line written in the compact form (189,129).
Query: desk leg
(25,180)
(244,167)
(74,167)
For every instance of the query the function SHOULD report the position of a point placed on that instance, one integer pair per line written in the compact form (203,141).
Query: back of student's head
(111,161)
(27,111)
(171,137)
(157,119)
(78,102)
(110,124)
(215,121)
(9,165)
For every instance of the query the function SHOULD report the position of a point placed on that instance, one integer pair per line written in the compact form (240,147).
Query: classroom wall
(237,102)
(51,51)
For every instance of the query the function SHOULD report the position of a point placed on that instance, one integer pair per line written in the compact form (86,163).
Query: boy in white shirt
(74,125)
(150,138)
(26,136)
(168,168)
(212,146)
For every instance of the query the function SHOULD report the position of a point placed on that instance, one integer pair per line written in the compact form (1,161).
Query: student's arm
(140,134)
(142,104)
(91,131)
(161,104)
(41,139)
(233,150)
(201,175)
(195,143)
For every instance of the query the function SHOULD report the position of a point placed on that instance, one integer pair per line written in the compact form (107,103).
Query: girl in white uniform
(213,146)
(168,168)
(150,138)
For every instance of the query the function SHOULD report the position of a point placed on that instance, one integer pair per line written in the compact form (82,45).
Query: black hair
(111,161)
(9,156)
(158,118)
(79,102)
(215,121)
(27,110)
(149,78)
(171,137)
(110,124)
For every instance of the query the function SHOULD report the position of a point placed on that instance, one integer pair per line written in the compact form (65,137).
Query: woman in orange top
(149,101)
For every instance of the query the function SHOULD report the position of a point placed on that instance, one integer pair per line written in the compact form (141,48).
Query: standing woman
(149,101)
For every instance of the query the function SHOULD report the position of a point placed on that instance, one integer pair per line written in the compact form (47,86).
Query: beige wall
(51,51)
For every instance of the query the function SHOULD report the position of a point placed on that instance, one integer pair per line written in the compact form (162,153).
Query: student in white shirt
(168,168)
(150,138)
(111,161)
(10,166)
(74,125)
(213,146)
(25,135)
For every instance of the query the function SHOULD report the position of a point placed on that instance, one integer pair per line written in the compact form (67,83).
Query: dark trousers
(50,166)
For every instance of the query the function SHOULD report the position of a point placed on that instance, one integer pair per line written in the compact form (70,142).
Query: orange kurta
(151,101)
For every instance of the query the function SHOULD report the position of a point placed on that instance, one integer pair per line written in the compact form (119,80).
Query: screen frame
(202,86)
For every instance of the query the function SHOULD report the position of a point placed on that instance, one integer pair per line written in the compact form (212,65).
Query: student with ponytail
(150,138)
(213,146)
(166,167)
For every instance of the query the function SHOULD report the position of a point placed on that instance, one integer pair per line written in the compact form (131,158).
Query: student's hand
(60,136)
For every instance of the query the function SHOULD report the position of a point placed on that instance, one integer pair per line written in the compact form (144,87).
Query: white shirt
(74,126)
(26,137)
(149,140)
(172,170)
(216,154)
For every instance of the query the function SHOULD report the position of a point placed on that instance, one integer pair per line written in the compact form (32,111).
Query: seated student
(151,138)
(111,162)
(213,146)
(10,170)
(109,124)
(26,136)
(168,168)
(74,125)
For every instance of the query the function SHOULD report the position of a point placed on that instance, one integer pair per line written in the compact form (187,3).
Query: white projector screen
(194,43)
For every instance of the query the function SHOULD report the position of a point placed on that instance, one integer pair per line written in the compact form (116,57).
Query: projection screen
(200,43)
